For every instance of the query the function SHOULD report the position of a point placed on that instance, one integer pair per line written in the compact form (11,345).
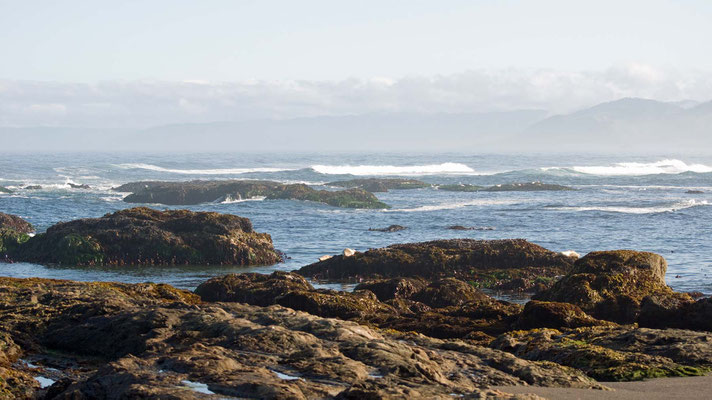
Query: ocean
(622,202)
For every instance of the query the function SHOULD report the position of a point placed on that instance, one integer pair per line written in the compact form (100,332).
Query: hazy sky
(141,63)
(231,40)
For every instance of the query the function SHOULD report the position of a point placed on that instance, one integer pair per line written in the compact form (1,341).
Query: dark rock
(527,187)
(145,236)
(252,288)
(486,263)
(139,341)
(470,228)
(391,228)
(613,353)
(448,292)
(33,187)
(374,185)
(695,192)
(79,186)
(460,188)
(544,314)
(5,190)
(397,288)
(611,285)
(196,192)
(15,223)
(676,312)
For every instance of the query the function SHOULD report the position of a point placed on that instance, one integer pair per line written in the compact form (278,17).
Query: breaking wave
(430,169)
(455,205)
(636,168)
(638,210)
(214,171)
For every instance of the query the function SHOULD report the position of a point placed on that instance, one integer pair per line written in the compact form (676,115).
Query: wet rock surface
(514,264)
(108,340)
(611,285)
(196,192)
(147,236)
(381,184)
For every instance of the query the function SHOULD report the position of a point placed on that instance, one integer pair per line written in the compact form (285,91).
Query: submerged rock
(527,187)
(381,184)
(33,187)
(490,263)
(150,341)
(5,190)
(611,285)
(79,186)
(196,192)
(146,236)
(470,228)
(391,228)
(695,192)
(460,188)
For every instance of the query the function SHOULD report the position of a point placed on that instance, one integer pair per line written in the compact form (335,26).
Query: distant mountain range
(626,125)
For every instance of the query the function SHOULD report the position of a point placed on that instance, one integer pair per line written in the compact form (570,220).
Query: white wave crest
(637,168)
(431,169)
(638,210)
(230,200)
(216,171)
(455,205)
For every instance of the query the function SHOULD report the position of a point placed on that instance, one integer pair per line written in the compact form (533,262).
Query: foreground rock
(611,285)
(108,340)
(390,228)
(196,192)
(146,236)
(512,264)
(446,308)
(374,185)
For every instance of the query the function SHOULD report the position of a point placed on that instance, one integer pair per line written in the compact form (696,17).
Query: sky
(142,63)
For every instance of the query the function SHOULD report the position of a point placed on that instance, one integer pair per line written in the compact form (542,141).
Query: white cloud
(148,103)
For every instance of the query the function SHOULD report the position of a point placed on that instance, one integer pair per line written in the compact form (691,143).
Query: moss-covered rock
(460,188)
(484,263)
(590,350)
(15,223)
(10,240)
(196,192)
(146,236)
(252,288)
(374,185)
(611,285)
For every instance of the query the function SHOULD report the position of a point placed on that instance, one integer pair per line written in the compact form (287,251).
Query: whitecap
(637,210)
(229,200)
(669,166)
(455,205)
(448,168)
(214,171)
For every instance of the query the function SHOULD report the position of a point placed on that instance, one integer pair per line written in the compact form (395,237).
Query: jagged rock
(252,288)
(545,314)
(150,341)
(196,192)
(611,285)
(146,236)
(460,188)
(391,228)
(613,353)
(374,185)
(527,187)
(487,263)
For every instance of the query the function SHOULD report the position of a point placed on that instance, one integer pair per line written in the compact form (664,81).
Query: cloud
(135,104)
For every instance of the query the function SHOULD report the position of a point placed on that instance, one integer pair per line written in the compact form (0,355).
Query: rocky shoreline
(417,325)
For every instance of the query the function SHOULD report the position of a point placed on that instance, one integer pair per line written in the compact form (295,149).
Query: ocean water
(622,203)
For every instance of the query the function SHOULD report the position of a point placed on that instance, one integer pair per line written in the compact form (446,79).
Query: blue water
(639,205)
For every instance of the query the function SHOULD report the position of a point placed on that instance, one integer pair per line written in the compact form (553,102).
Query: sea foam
(429,169)
(670,166)
(214,171)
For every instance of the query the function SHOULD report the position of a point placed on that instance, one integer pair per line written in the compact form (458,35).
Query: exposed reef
(196,192)
(512,264)
(146,236)
(390,228)
(381,184)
